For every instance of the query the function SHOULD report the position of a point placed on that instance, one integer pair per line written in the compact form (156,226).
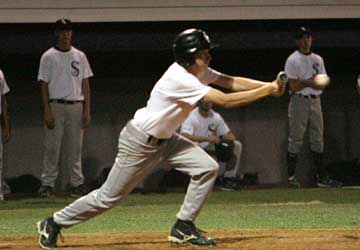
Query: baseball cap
(63,24)
(301,31)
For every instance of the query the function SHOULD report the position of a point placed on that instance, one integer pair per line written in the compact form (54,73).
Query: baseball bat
(282,78)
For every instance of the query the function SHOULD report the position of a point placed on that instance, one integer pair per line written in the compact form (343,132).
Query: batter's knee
(105,202)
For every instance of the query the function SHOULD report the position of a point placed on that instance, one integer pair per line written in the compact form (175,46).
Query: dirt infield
(322,239)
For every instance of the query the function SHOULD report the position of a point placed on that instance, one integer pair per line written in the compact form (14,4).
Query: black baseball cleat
(48,232)
(186,232)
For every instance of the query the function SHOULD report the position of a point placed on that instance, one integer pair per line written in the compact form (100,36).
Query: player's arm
(242,98)
(5,119)
(214,139)
(237,83)
(299,84)
(229,136)
(86,108)
(45,100)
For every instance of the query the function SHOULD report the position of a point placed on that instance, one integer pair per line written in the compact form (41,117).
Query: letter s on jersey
(75,68)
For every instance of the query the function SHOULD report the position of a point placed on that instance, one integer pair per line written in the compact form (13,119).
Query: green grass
(253,209)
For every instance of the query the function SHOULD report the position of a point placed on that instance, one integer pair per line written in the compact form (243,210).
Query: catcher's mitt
(224,150)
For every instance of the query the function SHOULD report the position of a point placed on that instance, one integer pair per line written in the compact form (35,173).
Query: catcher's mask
(187,43)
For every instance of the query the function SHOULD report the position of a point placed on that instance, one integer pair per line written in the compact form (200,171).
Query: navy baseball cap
(63,24)
(301,31)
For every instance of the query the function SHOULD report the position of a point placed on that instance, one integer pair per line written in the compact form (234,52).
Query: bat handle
(282,77)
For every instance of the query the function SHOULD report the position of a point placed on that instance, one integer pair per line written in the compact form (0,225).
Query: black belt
(309,96)
(154,141)
(62,101)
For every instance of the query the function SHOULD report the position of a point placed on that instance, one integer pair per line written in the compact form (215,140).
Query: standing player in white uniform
(5,126)
(150,138)
(207,128)
(302,68)
(64,74)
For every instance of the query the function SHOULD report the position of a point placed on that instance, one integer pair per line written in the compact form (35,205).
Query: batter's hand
(86,120)
(281,81)
(49,120)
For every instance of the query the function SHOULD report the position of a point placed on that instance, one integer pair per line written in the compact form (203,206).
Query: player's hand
(49,120)
(6,132)
(86,119)
(214,139)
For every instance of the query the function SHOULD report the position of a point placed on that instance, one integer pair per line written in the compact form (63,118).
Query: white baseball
(322,79)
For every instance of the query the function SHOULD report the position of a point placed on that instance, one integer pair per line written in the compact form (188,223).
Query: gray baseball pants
(305,113)
(64,140)
(137,158)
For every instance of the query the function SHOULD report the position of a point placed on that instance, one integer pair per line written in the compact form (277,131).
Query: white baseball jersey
(300,66)
(198,125)
(172,99)
(4,88)
(64,72)
(358,80)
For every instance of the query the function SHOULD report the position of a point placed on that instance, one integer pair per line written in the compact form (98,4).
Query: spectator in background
(65,93)
(4,126)
(208,129)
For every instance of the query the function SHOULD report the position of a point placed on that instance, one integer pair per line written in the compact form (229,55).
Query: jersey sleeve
(45,69)
(87,72)
(290,68)
(222,126)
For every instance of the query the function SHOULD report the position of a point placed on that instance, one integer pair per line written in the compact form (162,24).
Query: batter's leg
(190,159)
(134,161)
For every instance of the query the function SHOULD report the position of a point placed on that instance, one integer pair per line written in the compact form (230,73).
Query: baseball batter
(5,127)
(307,80)
(64,74)
(207,128)
(150,138)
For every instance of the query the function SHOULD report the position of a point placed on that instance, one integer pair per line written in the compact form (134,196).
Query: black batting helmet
(187,43)
(63,24)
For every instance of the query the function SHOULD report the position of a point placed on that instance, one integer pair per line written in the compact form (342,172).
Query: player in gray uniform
(150,138)
(208,128)
(4,126)
(64,74)
(302,68)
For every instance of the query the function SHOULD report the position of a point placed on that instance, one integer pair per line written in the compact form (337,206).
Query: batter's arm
(243,98)
(237,83)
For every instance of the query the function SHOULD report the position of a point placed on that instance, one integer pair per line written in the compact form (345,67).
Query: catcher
(209,130)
